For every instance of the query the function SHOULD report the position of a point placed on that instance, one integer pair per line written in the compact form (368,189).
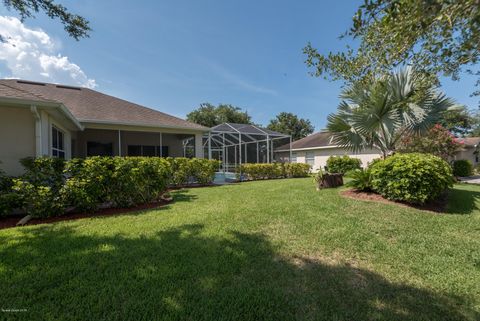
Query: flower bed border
(438,206)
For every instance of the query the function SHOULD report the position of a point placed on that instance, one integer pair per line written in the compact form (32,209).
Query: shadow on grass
(182,274)
(463,201)
(183,195)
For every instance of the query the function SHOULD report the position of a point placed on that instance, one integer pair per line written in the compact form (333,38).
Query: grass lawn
(268,250)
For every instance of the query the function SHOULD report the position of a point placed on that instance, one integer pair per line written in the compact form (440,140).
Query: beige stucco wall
(321,156)
(467,153)
(17,138)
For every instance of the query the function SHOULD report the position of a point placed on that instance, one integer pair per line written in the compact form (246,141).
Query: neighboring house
(39,119)
(315,149)
(469,150)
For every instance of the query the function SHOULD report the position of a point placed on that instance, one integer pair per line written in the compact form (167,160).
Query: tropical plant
(318,176)
(377,114)
(360,179)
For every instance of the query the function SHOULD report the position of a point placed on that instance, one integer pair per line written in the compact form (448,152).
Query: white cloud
(31,54)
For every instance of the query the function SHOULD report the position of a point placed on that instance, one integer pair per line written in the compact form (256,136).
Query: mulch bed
(437,206)
(11,221)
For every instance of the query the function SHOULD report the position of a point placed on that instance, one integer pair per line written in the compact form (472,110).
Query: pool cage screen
(236,144)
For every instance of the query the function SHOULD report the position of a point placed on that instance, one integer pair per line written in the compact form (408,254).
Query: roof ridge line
(30,93)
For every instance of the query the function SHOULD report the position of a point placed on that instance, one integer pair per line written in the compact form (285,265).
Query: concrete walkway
(470,179)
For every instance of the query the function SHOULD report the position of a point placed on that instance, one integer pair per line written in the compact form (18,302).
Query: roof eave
(109,122)
(44,104)
(307,148)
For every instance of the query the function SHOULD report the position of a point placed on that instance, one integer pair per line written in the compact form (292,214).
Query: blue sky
(174,55)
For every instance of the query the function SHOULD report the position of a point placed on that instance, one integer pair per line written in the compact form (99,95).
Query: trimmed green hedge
(343,164)
(414,178)
(275,170)
(462,168)
(186,170)
(50,185)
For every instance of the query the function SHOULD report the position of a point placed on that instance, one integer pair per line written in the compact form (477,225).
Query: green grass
(269,250)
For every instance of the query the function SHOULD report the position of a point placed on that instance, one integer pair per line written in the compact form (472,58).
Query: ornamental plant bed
(438,206)
(11,221)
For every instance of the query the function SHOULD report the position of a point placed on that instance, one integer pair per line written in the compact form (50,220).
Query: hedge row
(274,170)
(50,185)
(343,164)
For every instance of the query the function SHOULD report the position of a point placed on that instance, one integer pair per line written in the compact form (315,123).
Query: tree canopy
(438,141)
(76,26)
(290,124)
(435,36)
(378,114)
(459,121)
(209,115)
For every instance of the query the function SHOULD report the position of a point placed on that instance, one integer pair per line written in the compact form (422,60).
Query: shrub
(38,189)
(462,168)
(123,181)
(360,179)
(89,182)
(188,170)
(413,178)
(44,171)
(138,180)
(203,170)
(260,171)
(343,164)
(8,198)
(37,200)
(180,170)
(50,185)
(297,169)
(9,201)
(256,171)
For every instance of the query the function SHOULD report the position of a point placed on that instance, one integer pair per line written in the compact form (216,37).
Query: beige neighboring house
(315,149)
(39,119)
(469,150)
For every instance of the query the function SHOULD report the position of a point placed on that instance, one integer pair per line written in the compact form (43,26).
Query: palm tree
(378,114)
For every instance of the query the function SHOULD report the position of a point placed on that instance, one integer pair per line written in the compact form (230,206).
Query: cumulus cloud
(31,54)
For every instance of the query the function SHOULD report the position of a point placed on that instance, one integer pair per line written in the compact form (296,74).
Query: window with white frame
(310,158)
(58,143)
(294,158)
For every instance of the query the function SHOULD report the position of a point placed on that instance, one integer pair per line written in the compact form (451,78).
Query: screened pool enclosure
(236,144)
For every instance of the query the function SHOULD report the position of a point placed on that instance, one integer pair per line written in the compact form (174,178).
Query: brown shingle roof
(88,105)
(470,141)
(320,139)
(7,91)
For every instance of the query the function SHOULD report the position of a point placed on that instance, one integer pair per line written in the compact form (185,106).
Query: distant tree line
(287,123)
(459,121)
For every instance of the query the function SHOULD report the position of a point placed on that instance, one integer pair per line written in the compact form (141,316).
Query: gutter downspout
(38,131)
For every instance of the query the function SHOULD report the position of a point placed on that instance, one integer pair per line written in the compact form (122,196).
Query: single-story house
(39,119)
(470,149)
(315,149)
